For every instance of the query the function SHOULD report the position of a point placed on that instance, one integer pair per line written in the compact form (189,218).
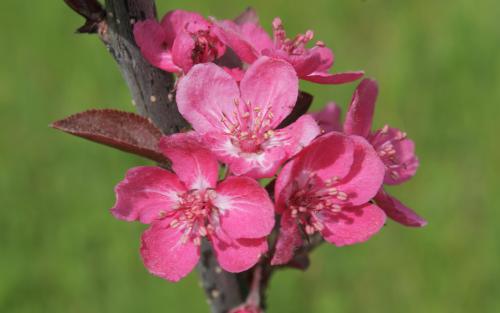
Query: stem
(153,93)
(152,89)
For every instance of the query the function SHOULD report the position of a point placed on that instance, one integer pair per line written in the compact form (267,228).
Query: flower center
(312,198)
(385,143)
(249,127)
(296,46)
(206,45)
(195,216)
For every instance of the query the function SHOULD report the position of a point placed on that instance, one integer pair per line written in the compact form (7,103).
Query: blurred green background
(438,65)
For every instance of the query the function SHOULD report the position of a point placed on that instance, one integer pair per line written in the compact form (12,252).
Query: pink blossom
(179,41)
(393,147)
(239,122)
(250,41)
(326,188)
(235,215)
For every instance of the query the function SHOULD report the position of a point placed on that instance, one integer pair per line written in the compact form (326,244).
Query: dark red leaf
(303,104)
(91,10)
(126,131)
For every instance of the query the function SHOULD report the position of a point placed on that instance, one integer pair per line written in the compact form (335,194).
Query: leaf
(125,131)
(303,104)
(91,10)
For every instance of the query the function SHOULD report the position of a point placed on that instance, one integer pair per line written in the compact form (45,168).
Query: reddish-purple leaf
(303,103)
(125,131)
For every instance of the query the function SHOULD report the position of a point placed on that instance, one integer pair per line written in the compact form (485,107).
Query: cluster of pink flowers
(235,87)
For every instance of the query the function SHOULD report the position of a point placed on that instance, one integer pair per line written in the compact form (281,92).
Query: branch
(154,97)
(152,89)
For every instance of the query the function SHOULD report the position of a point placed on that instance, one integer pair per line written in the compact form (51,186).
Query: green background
(438,65)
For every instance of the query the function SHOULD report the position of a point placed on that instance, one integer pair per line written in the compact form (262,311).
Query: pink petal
(297,135)
(235,72)
(146,193)
(239,255)
(333,79)
(195,165)
(163,253)
(359,116)
(328,156)
(326,56)
(328,119)
(260,87)
(289,239)
(154,45)
(257,36)
(304,64)
(182,50)
(366,173)
(176,21)
(353,225)
(398,211)
(283,186)
(230,34)
(204,105)
(246,210)
(255,165)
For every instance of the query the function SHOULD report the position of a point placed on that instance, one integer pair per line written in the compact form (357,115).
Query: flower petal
(326,56)
(297,135)
(195,165)
(182,50)
(330,155)
(328,119)
(204,105)
(176,21)
(283,186)
(353,225)
(231,34)
(333,79)
(289,239)
(398,211)
(146,193)
(239,255)
(163,253)
(257,36)
(246,210)
(366,173)
(304,64)
(264,91)
(154,44)
(359,116)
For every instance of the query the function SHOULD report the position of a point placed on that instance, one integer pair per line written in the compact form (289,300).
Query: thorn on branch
(91,10)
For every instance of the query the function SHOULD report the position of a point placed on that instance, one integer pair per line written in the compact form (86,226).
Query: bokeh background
(438,65)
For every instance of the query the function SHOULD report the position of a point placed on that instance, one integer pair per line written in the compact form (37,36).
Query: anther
(342,196)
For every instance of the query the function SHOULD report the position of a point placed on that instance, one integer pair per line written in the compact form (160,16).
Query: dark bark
(152,89)
(154,97)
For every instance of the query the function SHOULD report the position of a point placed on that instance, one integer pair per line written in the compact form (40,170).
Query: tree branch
(154,97)
(152,89)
